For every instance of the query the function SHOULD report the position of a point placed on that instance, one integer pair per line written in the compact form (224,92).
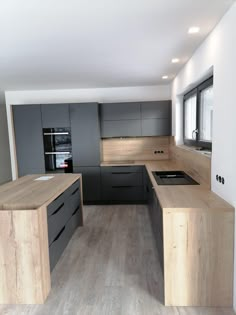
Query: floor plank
(110,267)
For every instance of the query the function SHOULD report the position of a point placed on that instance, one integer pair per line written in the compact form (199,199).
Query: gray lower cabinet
(91,181)
(156,127)
(28,139)
(85,134)
(64,216)
(122,184)
(55,115)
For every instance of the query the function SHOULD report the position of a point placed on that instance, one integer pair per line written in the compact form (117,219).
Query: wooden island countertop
(27,193)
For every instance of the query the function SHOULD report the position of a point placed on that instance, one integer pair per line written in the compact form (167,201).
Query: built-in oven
(57,149)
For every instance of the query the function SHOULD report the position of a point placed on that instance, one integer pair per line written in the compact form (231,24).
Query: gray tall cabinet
(85,131)
(28,139)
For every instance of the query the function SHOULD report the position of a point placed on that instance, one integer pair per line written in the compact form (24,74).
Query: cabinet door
(120,111)
(121,128)
(156,127)
(55,115)
(159,109)
(91,183)
(85,133)
(29,139)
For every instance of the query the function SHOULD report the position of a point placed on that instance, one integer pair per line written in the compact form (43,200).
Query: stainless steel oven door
(56,160)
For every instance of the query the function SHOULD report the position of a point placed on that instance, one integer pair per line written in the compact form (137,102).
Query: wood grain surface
(142,148)
(26,193)
(113,270)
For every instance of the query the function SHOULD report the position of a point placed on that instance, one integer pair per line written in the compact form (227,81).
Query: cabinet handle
(122,186)
(59,234)
(58,209)
(121,173)
(59,196)
(76,210)
(75,191)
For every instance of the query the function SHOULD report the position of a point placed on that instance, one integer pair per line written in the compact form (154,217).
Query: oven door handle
(56,153)
(55,133)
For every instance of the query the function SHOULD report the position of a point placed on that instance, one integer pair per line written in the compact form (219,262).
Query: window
(198,115)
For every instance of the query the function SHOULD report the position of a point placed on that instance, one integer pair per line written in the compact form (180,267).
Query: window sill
(205,153)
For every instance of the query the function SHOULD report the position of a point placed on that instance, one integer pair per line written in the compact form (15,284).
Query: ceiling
(54,44)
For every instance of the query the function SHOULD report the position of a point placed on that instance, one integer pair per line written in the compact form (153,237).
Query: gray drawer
(76,219)
(57,220)
(59,244)
(125,193)
(73,200)
(122,179)
(119,169)
(56,203)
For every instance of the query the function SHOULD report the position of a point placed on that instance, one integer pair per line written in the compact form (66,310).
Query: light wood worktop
(26,193)
(180,198)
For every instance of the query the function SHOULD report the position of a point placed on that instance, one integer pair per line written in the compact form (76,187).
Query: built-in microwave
(57,148)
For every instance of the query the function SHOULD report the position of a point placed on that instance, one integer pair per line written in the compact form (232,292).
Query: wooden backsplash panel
(129,149)
(195,164)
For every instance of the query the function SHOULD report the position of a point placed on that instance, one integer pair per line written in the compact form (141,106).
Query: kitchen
(116,137)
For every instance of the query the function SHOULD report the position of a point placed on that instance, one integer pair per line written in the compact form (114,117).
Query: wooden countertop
(179,198)
(26,193)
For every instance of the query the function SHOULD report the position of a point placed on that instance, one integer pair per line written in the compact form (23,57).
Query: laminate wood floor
(110,267)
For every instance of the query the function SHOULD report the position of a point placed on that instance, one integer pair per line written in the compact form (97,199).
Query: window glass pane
(206,114)
(190,117)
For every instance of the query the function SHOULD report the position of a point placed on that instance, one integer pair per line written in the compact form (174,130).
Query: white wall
(101,95)
(217,52)
(5,162)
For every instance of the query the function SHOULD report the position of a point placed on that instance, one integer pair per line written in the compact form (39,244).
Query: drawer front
(76,219)
(59,244)
(120,169)
(122,179)
(57,220)
(73,200)
(125,193)
(55,204)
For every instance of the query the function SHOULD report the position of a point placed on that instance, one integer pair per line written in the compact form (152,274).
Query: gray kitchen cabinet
(28,139)
(85,134)
(64,216)
(55,115)
(121,128)
(122,184)
(120,111)
(91,181)
(157,109)
(156,127)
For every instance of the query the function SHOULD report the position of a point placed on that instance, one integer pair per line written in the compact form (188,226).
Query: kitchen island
(38,216)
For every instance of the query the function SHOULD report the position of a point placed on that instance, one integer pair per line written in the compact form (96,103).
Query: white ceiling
(53,44)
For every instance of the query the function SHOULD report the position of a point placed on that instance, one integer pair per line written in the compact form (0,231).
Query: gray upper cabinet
(55,115)
(158,109)
(156,118)
(85,133)
(120,111)
(28,139)
(121,128)
(156,127)
(121,120)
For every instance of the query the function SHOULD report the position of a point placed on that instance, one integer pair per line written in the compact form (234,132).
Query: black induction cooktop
(173,178)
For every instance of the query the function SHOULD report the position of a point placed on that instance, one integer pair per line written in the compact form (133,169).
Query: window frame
(197,91)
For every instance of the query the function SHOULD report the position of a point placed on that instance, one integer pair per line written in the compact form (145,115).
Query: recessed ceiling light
(165,77)
(175,60)
(193,30)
